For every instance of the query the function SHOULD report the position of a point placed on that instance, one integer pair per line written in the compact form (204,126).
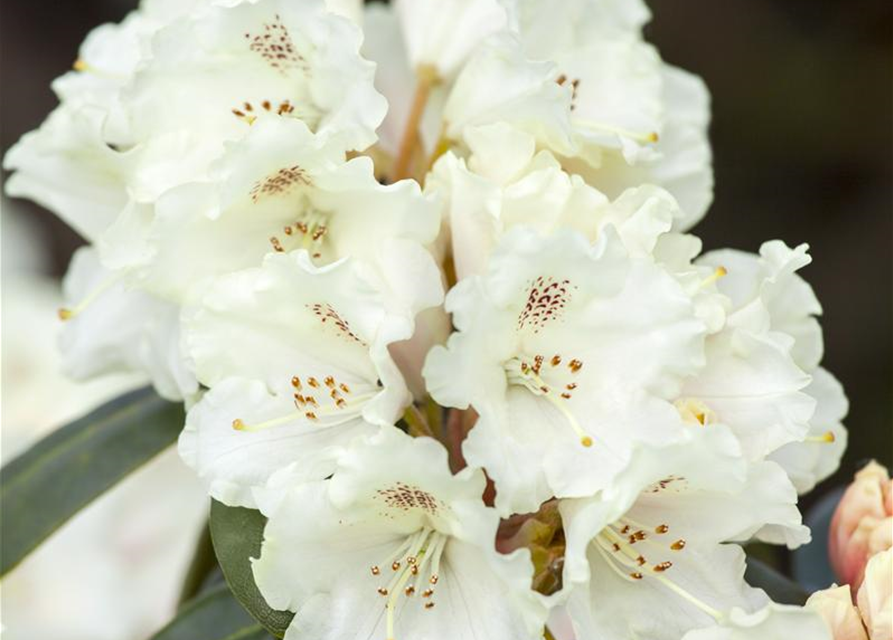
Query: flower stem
(426,79)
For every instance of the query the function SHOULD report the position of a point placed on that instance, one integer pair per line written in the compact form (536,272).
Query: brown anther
(635,575)
(679,545)
(561,79)
(566,395)
(409,590)
(427,593)
(265,104)
(571,386)
(575,365)
(313,382)
(555,361)
(310,415)
(663,566)
(433,579)
(238,425)
(641,560)
(311,400)
(329,382)
(663,528)
(429,605)
(344,388)
(544,389)
(375,570)
(296,383)
(340,403)
(382,591)
(395,566)
(616,547)
(411,560)
(287,231)
(639,535)
(277,246)
(414,570)
(524,367)
(625,530)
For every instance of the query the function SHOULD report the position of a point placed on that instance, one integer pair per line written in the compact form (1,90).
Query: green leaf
(778,587)
(237,534)
(202,565)
(45,486)
(215,615)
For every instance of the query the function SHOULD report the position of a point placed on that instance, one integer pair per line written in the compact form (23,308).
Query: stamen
(105,285)
(719,272)
(638,136)
(526,375)
(631,560)
(336,409)
(826,438)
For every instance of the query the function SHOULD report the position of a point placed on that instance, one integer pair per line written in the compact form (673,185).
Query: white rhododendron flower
(296,358)
(656,536)
(279,190)
(567,351)
(422,275)
(116,329)
(392,545)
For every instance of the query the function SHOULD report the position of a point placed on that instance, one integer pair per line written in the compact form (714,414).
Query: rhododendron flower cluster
(424,276)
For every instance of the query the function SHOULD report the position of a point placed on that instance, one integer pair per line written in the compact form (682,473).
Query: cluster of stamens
(315,400)
(247,111)
(414,569)
(622,543)
(308,233)
(531,375)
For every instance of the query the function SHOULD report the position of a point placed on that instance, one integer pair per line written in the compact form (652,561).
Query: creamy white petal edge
(392,546)
(773,622)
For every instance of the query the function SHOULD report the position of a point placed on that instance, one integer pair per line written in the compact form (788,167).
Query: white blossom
(296,359)
(568,352)
(393,545)
(645,556)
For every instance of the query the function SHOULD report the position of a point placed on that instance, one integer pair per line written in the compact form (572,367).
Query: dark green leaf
(237,534)
(213,616)
(202,565)
(41,489)
(779,587)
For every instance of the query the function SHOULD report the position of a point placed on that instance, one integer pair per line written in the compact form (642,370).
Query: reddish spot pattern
(405,498)
(279,183)
(327,315)
(275,46)
(546,301)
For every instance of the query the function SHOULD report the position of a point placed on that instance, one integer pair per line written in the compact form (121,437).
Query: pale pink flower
(835,605)
(863,523)
(875,597)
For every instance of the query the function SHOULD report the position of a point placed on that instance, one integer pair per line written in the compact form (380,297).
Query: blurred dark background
(802,135)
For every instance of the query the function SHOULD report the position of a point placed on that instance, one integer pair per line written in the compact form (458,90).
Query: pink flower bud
(876,596)
(863,523)
(835,605)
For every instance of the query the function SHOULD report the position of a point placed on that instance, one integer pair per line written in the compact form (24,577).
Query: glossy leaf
(215,615)
(777,586)
(60,475)
(237,534)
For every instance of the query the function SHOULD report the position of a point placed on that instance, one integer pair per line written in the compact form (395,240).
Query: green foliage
(778,587)
(237,534)
(45,486)
(215,615)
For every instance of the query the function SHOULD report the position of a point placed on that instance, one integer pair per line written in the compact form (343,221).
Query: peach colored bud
(876,596)
(835,605)
(863,523)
